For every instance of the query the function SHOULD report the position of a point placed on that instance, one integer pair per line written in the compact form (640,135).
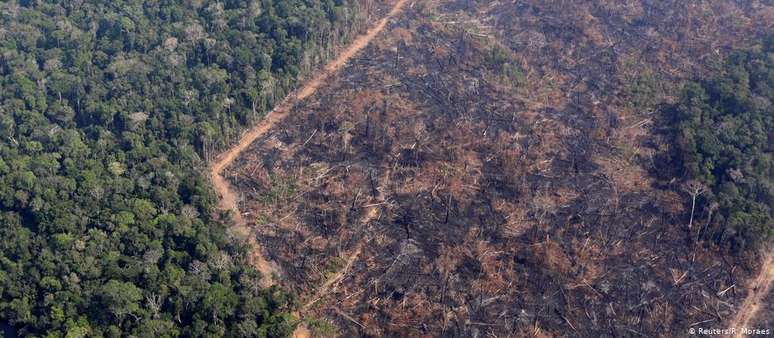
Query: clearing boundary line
(228,198)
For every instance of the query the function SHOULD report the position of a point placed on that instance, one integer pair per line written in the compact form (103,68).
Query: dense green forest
(109,110)
(724,139)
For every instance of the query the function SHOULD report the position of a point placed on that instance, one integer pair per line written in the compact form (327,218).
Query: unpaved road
(228,197)
(760,288)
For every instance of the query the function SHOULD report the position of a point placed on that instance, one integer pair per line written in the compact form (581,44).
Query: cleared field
(489,169)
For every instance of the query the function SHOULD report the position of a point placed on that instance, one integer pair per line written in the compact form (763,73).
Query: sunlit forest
(108,112)
(390,168)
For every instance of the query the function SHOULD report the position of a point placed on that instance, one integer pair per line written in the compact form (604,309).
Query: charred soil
(490,168)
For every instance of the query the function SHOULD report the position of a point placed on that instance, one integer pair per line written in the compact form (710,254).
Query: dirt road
(228,197)
(760,288)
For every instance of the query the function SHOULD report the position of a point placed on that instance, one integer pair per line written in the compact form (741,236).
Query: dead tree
(694,188)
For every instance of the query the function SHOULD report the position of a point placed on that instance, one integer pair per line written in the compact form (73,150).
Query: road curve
(228,197)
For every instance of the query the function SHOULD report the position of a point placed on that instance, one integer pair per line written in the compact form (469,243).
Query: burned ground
(488,168)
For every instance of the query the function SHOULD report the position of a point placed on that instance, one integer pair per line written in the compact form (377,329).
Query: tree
(109,109)
(220,301)
(721,127)
(695,189)
(121,298)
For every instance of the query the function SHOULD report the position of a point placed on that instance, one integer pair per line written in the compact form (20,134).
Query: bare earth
(229,198)
(760,288)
